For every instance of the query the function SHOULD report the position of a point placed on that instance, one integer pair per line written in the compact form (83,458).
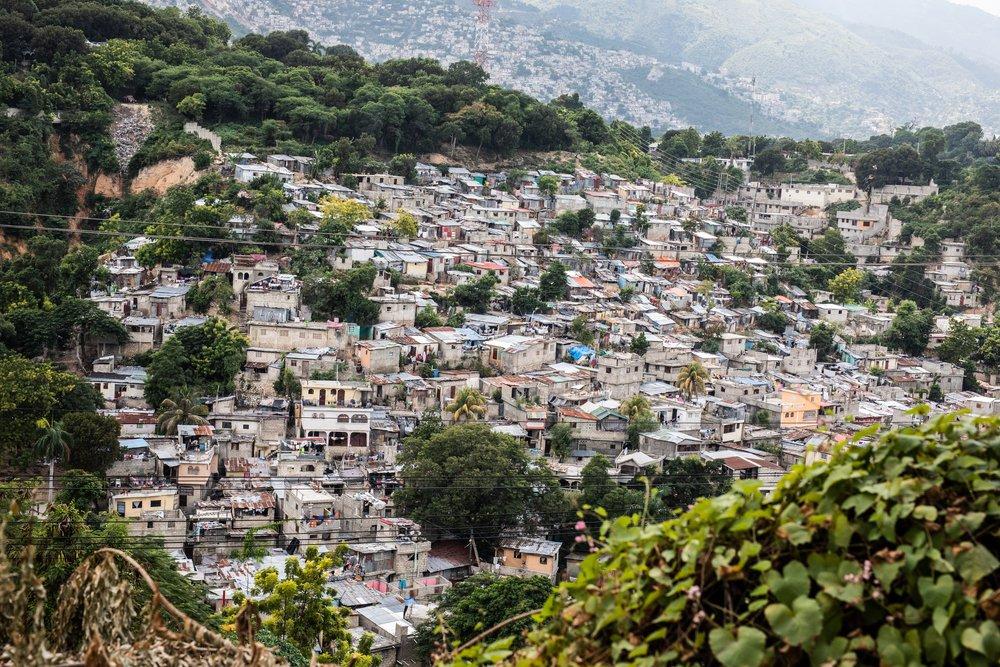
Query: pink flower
(581,525)
(581,538)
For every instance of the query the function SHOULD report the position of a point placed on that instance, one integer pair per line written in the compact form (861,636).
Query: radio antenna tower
(483,20)
(751,141)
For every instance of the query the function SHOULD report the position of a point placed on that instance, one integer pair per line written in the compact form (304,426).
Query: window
(227,424)
(246,427)
(543,560)
(517,554)
(137,504)
(149,524)
(155,503)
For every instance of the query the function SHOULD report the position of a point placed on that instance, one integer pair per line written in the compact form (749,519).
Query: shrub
(883,555)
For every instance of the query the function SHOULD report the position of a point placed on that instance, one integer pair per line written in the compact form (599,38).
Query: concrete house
(518,354)
(619,374)
(527,557)
(337,413)
(378,356)
(289,336)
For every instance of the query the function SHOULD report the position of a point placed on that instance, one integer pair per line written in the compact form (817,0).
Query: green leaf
(936,593)
(795,533)
(843,529)
(887,572)
(973,640)
(791,584)
(890,646)
(797,625)
(746,649)
(940,619)
(975,563)
(935,648)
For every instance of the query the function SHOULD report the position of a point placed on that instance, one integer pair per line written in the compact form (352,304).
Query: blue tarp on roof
(578,352)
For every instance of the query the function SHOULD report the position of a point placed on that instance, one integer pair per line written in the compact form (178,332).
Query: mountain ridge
(816,73)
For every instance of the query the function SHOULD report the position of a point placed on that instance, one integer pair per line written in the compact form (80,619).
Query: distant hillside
(961,29)
(815,60)
(539,52)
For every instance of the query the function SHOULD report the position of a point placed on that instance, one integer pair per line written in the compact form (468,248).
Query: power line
(638,249)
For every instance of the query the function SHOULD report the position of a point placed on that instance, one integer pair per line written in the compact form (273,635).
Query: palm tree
(469,404)
(634,407)
(55,441)
(183,410)
(691,379)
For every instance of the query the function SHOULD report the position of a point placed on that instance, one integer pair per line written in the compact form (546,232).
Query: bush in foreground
(886,554)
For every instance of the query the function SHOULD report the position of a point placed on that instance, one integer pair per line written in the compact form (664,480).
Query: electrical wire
(636,249)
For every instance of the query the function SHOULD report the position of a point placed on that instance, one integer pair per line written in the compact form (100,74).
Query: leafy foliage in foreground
(885,554)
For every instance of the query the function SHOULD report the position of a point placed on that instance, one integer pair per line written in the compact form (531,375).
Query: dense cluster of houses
(319,469)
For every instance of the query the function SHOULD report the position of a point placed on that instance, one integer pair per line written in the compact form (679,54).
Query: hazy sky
(991,6)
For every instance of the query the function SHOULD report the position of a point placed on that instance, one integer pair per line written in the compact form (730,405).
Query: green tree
(480,602)
(204,358)
(683,481)
(476,295)
(910,329)
(989,349)
(84,491)
(211,290)
(405,225)
(183,411)
(595,481)
(561,440)
(639,344)
(961,344)
(846,285)
(344,298)
(597,489)
(469,404)
(692,378)
(644,422)
(770,161)
(527,301)
(54,444)
(635,406)
(883,166)
(287,384)
(299,608)
(192,106)
(580,329)
(484,482)
(95,440)
(553,285)
(773,318)
(427,317)
(548,185)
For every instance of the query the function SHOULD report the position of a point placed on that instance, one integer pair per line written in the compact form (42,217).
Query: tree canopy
(468,480)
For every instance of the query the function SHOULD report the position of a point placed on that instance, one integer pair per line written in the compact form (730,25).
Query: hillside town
(312,359)
(633,348)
